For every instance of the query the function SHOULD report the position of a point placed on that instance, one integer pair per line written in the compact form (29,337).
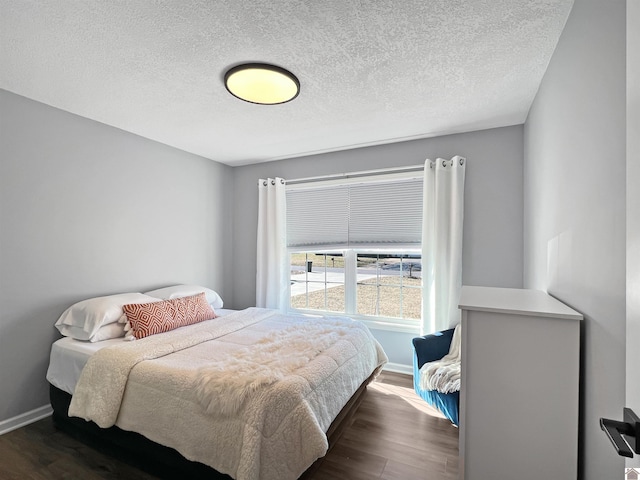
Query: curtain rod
(365,173)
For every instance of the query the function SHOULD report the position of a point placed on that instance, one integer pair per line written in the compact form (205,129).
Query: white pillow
(178,291)
(107,332)
(83,319)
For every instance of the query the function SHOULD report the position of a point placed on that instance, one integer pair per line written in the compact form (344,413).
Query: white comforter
(250,394)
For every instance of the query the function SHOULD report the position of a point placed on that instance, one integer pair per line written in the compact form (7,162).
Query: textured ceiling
(371,71)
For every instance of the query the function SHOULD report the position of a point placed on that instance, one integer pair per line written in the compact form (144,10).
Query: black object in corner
(623,435)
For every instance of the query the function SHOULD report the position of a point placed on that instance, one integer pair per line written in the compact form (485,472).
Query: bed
(252,394)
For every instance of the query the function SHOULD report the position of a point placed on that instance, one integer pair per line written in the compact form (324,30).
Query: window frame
(395,324)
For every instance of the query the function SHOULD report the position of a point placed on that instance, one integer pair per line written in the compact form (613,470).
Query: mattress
(69,356)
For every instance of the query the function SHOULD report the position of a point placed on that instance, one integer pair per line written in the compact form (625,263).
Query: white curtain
(443,206)
(271,272)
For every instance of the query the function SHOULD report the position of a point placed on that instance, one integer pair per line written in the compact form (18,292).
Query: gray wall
(492,254)
(574,196)
(88,210)
(632,399)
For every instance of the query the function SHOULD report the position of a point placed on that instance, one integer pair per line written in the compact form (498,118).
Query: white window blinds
(364,214)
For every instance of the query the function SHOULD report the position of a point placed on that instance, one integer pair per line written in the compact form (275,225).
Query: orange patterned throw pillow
(158,317)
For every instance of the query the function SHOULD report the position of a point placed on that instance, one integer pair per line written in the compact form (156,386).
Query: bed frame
(162,461)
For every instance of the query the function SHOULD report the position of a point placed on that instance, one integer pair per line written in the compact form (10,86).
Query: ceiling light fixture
(262,83)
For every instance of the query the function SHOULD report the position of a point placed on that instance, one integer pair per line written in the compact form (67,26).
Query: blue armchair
(428,349)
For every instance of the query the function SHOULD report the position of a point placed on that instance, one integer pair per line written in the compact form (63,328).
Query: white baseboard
(398,368)
(25,419)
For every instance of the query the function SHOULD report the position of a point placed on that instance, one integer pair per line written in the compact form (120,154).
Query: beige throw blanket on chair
(444,375)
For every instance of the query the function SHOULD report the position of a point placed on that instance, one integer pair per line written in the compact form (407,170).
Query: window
(389,285)
(380,285)
(317,282)
(354,248)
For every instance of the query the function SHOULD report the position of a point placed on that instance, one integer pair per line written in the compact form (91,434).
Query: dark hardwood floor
(392,435)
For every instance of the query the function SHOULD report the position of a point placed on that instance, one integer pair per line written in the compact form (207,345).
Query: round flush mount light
(262,83)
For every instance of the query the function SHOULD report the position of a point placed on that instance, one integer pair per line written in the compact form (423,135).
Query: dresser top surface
(515,301)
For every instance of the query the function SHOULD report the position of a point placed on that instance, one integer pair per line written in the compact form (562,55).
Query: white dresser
(519,385)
